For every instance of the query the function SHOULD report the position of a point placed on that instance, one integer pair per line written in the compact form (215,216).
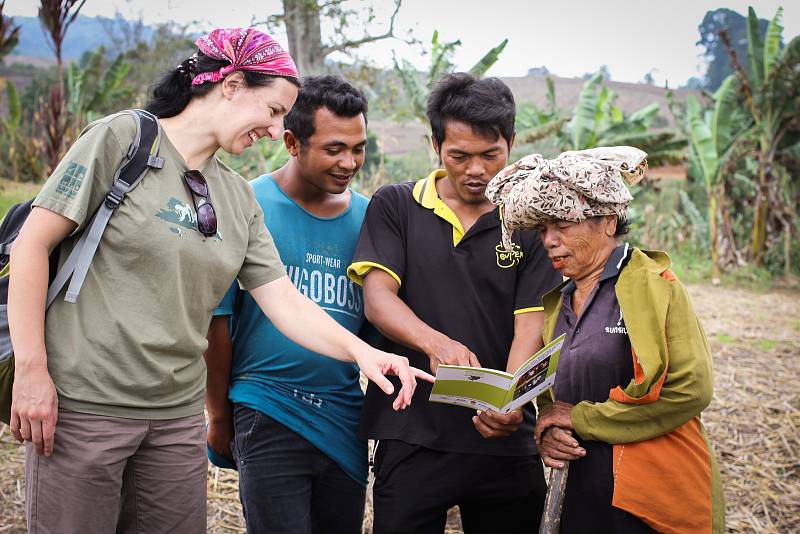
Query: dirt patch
(753,420)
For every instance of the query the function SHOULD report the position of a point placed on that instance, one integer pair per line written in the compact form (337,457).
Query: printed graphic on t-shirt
(182,215)
(505,259)
(332,292)
(70,182)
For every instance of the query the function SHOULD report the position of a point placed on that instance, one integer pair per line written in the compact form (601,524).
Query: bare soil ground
(753,420)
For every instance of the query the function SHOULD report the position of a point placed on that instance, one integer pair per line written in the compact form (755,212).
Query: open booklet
(489,389)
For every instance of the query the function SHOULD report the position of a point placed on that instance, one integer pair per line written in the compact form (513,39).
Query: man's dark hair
(487,105)
(331,92)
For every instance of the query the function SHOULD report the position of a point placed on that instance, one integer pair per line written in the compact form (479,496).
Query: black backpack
(142,155)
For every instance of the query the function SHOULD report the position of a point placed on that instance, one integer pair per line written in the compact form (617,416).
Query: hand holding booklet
(490,389)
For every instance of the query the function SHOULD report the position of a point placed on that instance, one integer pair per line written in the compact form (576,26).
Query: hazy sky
(570,37)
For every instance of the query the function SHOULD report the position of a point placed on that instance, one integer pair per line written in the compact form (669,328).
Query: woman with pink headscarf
(108,390)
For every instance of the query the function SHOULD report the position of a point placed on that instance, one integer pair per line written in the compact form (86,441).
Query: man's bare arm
(384,309)
(218,356)
(527,339)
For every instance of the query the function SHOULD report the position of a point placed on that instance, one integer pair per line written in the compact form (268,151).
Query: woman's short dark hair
(330,92)
(172,93)
(487,105)
(623,226)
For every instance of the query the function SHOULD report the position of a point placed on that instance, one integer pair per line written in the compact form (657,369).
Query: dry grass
(753,420)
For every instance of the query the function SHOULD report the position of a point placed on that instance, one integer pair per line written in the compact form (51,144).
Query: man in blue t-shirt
(288,417)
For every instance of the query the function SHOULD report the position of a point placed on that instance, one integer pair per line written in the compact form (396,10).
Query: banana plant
(771,97)
(534,123)
(480,68)
(417,87)
(716,137)
(10,125)
(94,86)
(21,151)
(13,119)
(9,33)
(597,120)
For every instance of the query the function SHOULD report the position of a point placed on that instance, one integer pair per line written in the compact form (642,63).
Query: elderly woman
(635,369)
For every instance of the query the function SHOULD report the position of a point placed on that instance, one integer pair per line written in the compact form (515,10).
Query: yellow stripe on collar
(426,196)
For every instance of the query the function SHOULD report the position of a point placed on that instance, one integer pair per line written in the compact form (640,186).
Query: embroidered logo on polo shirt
(619,328)
(506,259)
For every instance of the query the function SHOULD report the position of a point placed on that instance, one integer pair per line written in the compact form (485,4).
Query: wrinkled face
(471,160)
(577,249)
(330,158)
(254,112)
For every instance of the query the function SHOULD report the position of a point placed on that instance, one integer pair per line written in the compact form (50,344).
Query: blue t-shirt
(315,396)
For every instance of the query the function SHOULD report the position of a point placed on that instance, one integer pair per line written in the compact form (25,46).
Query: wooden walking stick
(551,518)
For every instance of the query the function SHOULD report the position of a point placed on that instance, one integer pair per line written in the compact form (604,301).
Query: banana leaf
(411,86)
(782,86)
(639,139)
(583,120)
(485,63)
(615,115)
(646,114)
(722,125)
(542,131)
(112,80)
(702,142)
(441,54)
(12,121)
(75,80)
(755,47)
(772,42)
(551,96)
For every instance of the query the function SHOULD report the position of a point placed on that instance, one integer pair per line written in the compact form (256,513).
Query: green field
(14,192)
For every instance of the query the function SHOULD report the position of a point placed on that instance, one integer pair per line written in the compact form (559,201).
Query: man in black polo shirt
(440,286)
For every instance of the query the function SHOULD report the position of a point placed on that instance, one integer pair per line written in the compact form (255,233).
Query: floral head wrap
(246,49)
(573,187)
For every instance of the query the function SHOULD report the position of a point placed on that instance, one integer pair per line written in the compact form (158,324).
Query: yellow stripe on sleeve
(358,270)
(528,310)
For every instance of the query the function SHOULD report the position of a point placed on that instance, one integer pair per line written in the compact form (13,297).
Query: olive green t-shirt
(132,344)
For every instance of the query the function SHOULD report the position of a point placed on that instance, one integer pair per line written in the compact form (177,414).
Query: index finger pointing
(422,375)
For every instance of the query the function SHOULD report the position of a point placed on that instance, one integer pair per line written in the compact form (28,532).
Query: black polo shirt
(464,285)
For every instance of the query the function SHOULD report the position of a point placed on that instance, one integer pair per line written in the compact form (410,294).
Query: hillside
(632,96)
(86,33)
(402,138)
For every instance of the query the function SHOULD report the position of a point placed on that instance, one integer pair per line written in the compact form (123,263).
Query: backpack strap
(142,156)
(9,228)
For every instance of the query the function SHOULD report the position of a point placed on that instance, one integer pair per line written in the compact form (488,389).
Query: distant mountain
(86,33)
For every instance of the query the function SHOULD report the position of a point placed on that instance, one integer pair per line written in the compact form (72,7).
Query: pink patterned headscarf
(246,49)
